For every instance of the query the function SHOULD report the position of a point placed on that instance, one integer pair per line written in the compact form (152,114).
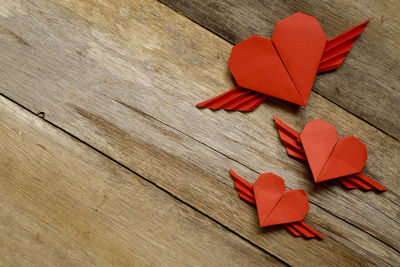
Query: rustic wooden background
(106,160)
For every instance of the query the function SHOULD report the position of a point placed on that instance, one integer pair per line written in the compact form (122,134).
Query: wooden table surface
(105,160)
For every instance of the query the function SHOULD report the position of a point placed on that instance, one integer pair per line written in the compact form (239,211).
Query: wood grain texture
(368,82)
(125,76)
(64,204)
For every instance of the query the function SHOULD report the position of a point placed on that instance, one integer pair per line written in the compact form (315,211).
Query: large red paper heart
(274,205)
(284,67)
(328,156)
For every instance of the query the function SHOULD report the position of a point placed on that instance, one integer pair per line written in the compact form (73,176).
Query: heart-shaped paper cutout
(328,156)
(284,67)
(274,205)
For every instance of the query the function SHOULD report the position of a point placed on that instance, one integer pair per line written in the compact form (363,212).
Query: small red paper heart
(274,205)
(328,157)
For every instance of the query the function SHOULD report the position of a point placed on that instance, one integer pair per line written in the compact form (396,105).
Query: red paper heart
(274,205)
(284,67)
(328,157)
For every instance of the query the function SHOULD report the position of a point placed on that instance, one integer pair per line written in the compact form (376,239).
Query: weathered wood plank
(368,81)
(64,204)
(124,77)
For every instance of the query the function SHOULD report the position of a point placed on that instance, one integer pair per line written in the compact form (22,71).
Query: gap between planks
(41,115)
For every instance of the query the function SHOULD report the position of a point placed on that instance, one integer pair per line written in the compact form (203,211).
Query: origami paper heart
(274,205)
(328,156)
(284,67)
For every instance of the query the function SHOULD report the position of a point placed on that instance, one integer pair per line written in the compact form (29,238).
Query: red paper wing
(300,42)
(302,229)
(337,48)
(290,139)
(361,181)
(268,190)
(318,139)
(292,207)
(348,157)
(235,99)
(292,230)
(244,188)
(256,65)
